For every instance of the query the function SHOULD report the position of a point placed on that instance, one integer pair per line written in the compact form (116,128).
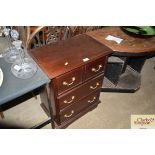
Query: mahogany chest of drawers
(76,69)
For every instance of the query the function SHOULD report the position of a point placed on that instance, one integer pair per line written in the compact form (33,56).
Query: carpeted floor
(113,112)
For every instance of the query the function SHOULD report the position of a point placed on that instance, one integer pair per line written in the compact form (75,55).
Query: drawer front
(69,80)
(74,109)
(80,92)
(95,67)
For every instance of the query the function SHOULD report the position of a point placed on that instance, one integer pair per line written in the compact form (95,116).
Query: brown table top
(131,45)
(63,56)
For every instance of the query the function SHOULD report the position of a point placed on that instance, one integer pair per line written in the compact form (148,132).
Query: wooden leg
(1,115)
(35,96)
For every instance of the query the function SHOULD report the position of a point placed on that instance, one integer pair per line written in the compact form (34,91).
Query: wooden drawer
(94,68)
(74,109)
(69,80)
(79,92)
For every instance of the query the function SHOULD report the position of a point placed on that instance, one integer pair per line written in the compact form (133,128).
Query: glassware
(1,31)
(4,44)
(10,54)
(24,67)
(14,34)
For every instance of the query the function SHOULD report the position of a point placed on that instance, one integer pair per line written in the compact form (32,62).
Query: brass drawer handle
(68,84)
(96,70)
(73,97)
(66,116)
(97,84)
(90,101)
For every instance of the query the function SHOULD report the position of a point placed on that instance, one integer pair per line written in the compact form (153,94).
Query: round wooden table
(133,51)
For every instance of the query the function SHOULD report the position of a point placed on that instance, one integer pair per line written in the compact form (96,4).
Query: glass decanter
(24,67)
(11,54)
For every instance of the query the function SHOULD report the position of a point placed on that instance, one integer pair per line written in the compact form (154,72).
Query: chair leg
(1,115)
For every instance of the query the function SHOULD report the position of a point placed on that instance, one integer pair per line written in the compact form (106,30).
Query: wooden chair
(83,29)
(43,35)
(38,36)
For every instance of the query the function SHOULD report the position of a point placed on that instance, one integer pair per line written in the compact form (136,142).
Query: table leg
(126,60)
(130,78)
(35,96)
(1,115)
(46,105)
(137,63)
(51,114)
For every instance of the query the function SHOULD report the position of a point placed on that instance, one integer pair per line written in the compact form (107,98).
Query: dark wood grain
(63,61)
(130,44)
(94,68)
(79,92)
(71,79)
(76,108)
(52,58)
(65,124)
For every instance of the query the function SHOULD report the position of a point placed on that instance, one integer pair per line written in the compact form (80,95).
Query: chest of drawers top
(63,56)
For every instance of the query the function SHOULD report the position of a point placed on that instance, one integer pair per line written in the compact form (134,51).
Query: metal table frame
(130,77)
(21,99)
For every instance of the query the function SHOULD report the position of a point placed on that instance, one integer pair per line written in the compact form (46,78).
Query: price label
(85,59)
(16,67)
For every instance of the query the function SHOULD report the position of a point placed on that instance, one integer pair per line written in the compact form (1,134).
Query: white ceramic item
(1,77)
